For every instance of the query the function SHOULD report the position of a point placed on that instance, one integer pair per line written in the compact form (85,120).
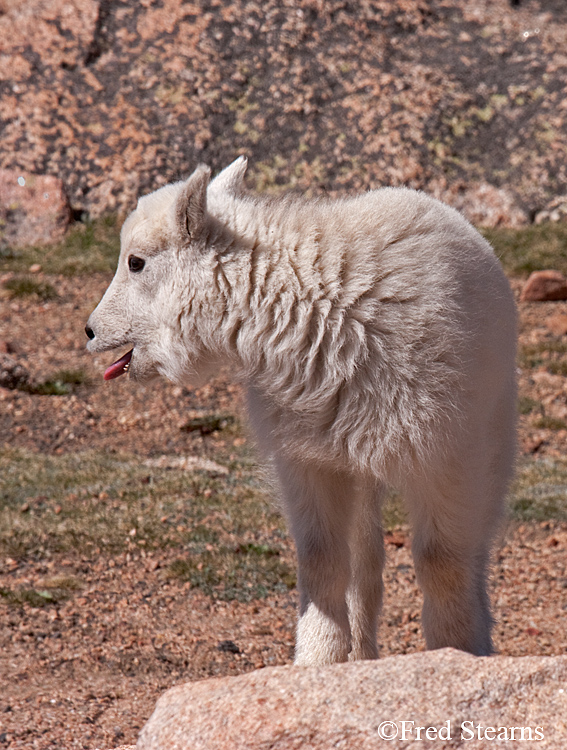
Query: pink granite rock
(457,700)
(484,205)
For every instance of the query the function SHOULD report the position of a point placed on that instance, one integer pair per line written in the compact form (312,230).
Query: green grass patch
(29,287)
(550,353)
(527,405)
(60,383)
(550,423)
(209,423)
(540,490)
(557,367)
(531,248)
(87,248)
(31,597)
(394,512)
(53,591)
(242,572)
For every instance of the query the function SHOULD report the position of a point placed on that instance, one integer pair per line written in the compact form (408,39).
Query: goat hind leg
(365,590)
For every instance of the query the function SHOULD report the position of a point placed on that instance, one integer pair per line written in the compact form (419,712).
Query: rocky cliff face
(116,98)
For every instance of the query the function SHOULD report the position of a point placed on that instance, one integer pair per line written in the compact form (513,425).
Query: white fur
(376,336)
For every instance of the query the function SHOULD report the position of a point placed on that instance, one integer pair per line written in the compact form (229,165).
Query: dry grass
(540,490)
(26,286)
(229,535)
(93,246)
(88,247)
(531,248)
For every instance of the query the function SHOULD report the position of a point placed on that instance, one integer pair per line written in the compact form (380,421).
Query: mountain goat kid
(376,339)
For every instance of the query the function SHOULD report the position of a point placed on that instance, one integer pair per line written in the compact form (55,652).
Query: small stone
(532,445)
(35,268)
(12,374)
(544,286)
(395,539)
(533,631)
(229,647)
(556,210)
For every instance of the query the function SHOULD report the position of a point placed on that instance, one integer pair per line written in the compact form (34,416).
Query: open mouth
(119,367)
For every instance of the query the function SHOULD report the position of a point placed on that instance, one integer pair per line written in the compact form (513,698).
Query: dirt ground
(86,672)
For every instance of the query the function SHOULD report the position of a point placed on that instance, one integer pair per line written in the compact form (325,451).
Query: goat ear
(191,206)
(231,179)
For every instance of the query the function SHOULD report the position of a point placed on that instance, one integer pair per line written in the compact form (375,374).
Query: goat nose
(89,331)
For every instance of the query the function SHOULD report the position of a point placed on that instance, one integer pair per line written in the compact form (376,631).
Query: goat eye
(136,264)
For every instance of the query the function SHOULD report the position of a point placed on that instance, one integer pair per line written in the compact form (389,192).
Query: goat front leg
(320,507)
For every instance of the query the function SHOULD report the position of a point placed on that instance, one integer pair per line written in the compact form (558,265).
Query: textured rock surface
(362,705)
(483,204)
(116,98)
(544,286)
(33,209)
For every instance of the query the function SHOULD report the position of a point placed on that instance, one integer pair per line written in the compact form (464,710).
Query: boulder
(34,209)
(544,286)
(437,699)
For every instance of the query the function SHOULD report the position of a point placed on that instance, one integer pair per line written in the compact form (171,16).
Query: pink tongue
(119,367)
